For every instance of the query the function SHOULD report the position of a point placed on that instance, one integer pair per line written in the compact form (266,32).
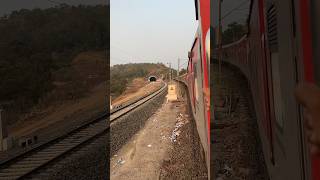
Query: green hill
(121,75)
(38,45)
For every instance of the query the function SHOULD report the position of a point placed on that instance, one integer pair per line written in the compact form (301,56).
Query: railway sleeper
(35,159)
(11,177)
(19,171)
(85,134)
(72,141)
(23,165)
(11,174)
(53,149)
(61,145)
(64,145)
(88,133)
(46,154)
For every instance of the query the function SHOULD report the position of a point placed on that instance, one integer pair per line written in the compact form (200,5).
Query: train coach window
(276,85)
(274,58)
(196,8)
(315,14)
(208,51)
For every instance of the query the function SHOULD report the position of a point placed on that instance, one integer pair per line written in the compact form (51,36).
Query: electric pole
(178,67)
(220,41)
(170,71)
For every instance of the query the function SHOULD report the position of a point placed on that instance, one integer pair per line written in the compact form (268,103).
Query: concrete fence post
(5,142)
(3,129)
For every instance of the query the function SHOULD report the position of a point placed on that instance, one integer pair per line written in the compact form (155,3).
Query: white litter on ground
(121,161)
(176,132)
(149,145)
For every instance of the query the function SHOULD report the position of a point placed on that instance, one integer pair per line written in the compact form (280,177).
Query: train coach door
(306,27)
(267,93)
(308,45)
(286,126)
(315,31)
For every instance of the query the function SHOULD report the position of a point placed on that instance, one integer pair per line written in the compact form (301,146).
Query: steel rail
(25,164)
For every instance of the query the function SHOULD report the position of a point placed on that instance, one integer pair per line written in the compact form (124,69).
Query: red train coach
(277,53)
(198,75)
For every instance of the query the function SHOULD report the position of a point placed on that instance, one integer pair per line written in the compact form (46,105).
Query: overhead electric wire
(129,54)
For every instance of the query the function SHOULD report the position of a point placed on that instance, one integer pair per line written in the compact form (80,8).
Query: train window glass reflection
(277,96)
(208,51)
(53,74)
(196,82)
(201,65)
(315,10)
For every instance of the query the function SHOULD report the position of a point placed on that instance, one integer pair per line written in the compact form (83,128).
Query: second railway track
(24,165)
(236,148)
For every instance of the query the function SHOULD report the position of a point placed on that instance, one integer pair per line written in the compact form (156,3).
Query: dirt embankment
(137,88)
(185,160)
(167,147)
(78,94)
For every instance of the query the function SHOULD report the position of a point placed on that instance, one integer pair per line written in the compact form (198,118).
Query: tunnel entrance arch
(152,78)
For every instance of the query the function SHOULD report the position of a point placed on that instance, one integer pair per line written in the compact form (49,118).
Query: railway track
(134,121)
(24,165)
(116,113)
(235,146)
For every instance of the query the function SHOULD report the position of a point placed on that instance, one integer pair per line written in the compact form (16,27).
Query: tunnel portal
(152,78)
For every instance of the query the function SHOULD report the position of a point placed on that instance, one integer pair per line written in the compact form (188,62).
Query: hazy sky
(151,30)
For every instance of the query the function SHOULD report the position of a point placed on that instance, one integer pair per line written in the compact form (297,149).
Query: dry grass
(137,88)
(63,104)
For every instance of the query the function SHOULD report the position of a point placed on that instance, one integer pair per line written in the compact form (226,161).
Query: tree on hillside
(182,71)
(122,74)
(36,43)
(233,33)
